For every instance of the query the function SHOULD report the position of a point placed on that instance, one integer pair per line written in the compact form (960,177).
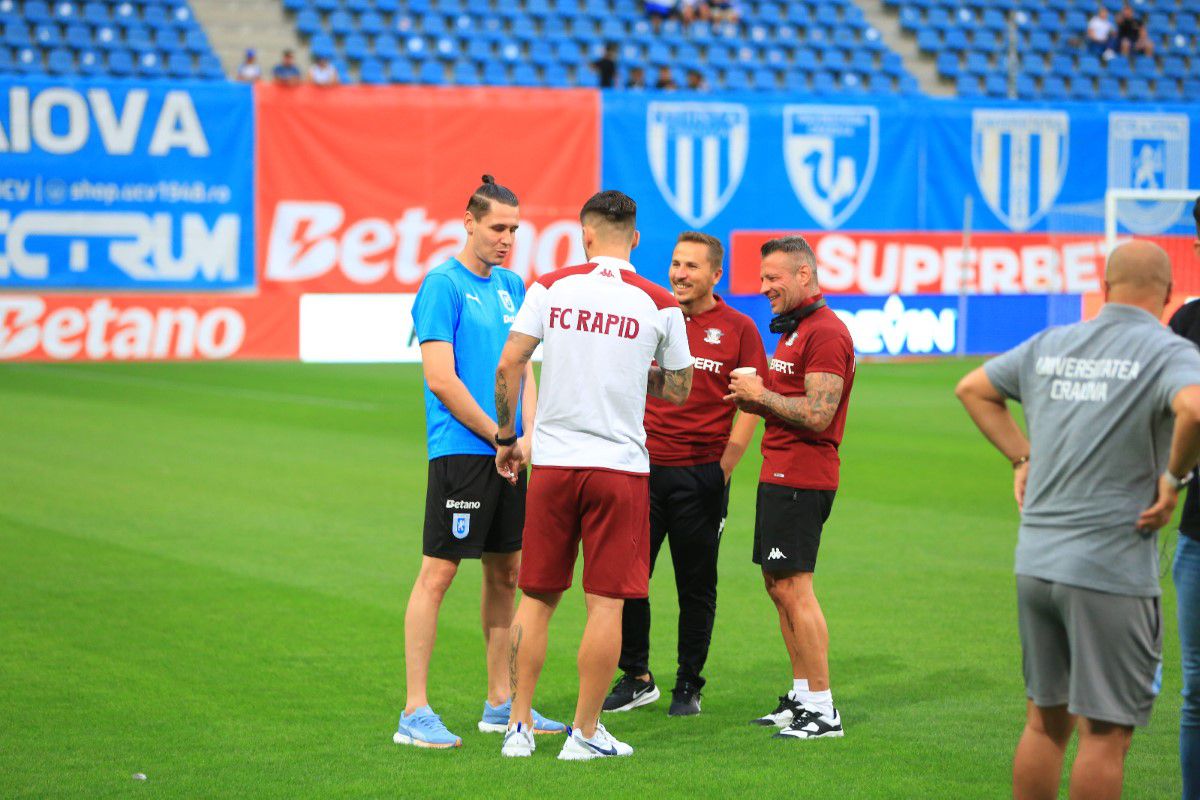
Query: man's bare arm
(988,409)
(437,362)
(739,438)
(514,359)
(814,411)
(672,385)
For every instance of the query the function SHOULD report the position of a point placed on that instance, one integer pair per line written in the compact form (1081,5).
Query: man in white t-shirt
(603,325)
(1100,32)
(323,73)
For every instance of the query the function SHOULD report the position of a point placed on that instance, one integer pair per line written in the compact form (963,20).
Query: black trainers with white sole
(630,692)
(783,714)
(810,723)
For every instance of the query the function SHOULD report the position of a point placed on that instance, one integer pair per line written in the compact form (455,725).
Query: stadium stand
(977,44)
(822,47)
(143,39)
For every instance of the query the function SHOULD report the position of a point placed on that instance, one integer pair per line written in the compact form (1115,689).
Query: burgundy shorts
(608,510)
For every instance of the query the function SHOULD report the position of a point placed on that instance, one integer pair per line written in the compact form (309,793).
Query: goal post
(1113,198)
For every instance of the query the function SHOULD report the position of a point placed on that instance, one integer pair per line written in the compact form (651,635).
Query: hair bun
(489,179)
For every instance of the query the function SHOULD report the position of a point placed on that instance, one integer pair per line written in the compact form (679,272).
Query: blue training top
(473,314)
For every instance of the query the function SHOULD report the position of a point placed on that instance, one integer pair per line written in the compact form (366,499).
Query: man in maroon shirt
(692,455)
(804,401)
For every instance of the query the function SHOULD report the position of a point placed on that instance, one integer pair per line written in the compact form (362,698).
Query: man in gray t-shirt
(1112,407)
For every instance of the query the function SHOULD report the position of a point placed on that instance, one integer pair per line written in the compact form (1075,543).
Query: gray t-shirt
(1097,399)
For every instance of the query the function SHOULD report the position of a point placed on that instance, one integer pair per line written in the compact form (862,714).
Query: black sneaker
(685,700)
(629,693)
(783,714)
(813,724)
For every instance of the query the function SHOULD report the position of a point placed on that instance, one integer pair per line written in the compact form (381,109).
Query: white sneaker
(787,710)
(601,745)
(812,723)
(518,742)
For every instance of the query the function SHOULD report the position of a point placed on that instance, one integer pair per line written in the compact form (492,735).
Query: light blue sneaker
(495,720)
(423,728)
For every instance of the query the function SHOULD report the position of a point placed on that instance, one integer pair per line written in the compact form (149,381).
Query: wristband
(507,441)
(1020,461)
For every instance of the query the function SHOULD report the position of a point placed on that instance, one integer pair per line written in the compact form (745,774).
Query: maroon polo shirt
(798,457)
(721,340)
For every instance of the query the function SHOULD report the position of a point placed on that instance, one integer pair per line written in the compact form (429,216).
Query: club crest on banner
(830,153)
(697,154)
(1148,151)
(1020,160)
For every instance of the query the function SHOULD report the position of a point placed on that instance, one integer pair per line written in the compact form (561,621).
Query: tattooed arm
(514,360)
(822,394)
(672,385)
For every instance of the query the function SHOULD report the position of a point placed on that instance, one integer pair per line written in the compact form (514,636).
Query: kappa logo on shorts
(775,553)
(461,526)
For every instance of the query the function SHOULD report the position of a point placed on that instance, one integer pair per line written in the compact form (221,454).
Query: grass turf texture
(205,569)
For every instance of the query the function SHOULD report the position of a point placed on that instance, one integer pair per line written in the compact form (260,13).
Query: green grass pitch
(205,567)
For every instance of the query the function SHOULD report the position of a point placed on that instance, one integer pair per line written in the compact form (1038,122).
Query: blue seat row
(81,36)
(118,63)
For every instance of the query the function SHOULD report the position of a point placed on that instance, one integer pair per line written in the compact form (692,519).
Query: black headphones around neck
(790,320)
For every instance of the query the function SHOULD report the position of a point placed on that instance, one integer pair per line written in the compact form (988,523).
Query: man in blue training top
(462,315)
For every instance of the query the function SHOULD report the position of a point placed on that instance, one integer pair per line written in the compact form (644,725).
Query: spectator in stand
(606,67)
(1131,34)
(692,10)
(322,73)
(286,72)
(724,11)
(696,82)
(666,79)
(1101,34)
(249,71)
(637,78)
(658,10)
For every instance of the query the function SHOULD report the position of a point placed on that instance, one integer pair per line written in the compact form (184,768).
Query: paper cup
(744,371)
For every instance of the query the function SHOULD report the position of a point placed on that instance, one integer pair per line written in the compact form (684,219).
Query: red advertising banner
(149,327)
(363,189)
(906,263)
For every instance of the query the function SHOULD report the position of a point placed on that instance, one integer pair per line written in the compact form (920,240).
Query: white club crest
(461,526)
(697,154)
(830,153)
(507,301)
(1020,160)
(1148,151)
(713,335)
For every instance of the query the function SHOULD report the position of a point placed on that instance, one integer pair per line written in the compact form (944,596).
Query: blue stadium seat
(138,39)
(835,59)
(156,16)
(1145,67)
(341,23)
(95,12)
(892,64)
(195,41)
(1119,68)
(660,55)
(977,64)
(1191,89)
(106,38)
(995,85)
(65,11)
(956,39)
(355,47)
(569,53)
(1054,87)
(308,22)
(1063,65)
(321,45)
(557,76)
(120,63)
(737,79)
(465,74)
(59,61)
(179,64)
(431,73)
(1174,67)
(47,35)
(149,65)
(524,74)
(479,49)
(495,73)
(1138,89)
(372,24)
(824,83)
(16,34)
(89,63)
(400,70)
(764,79)
(929,40)
(1108,89)
(1027,89)
(386,47)
(1167,89)
(208,67)
(358,6)
(540,53)
(1082,88)
(36,11)
(947,65)
(371,71)
(78,36)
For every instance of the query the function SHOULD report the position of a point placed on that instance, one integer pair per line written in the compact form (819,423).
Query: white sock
(822,701)
(799,687)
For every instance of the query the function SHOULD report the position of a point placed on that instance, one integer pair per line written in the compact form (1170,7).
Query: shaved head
(1139,273)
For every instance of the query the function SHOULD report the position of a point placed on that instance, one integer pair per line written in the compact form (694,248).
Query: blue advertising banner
(933,325)
(126,186)
(905,166)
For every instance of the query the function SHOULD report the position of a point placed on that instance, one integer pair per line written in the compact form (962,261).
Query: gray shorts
(1099,654)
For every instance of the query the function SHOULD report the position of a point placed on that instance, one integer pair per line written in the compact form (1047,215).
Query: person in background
(1101,34)
(659,10)
(249,71)
(696,82)
(1185,572)
(666,79)
(1131,33)
(606,67)
(323,73)
(286,72)
(637,78)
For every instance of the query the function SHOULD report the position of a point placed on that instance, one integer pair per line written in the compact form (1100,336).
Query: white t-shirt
(323,76)
(1099,29)
(601,324)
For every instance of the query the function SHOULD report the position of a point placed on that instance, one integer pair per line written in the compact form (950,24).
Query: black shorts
(470,510)
(787,527)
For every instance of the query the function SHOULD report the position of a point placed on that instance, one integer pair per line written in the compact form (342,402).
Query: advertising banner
(70,327)
(125,186)
(363,189)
